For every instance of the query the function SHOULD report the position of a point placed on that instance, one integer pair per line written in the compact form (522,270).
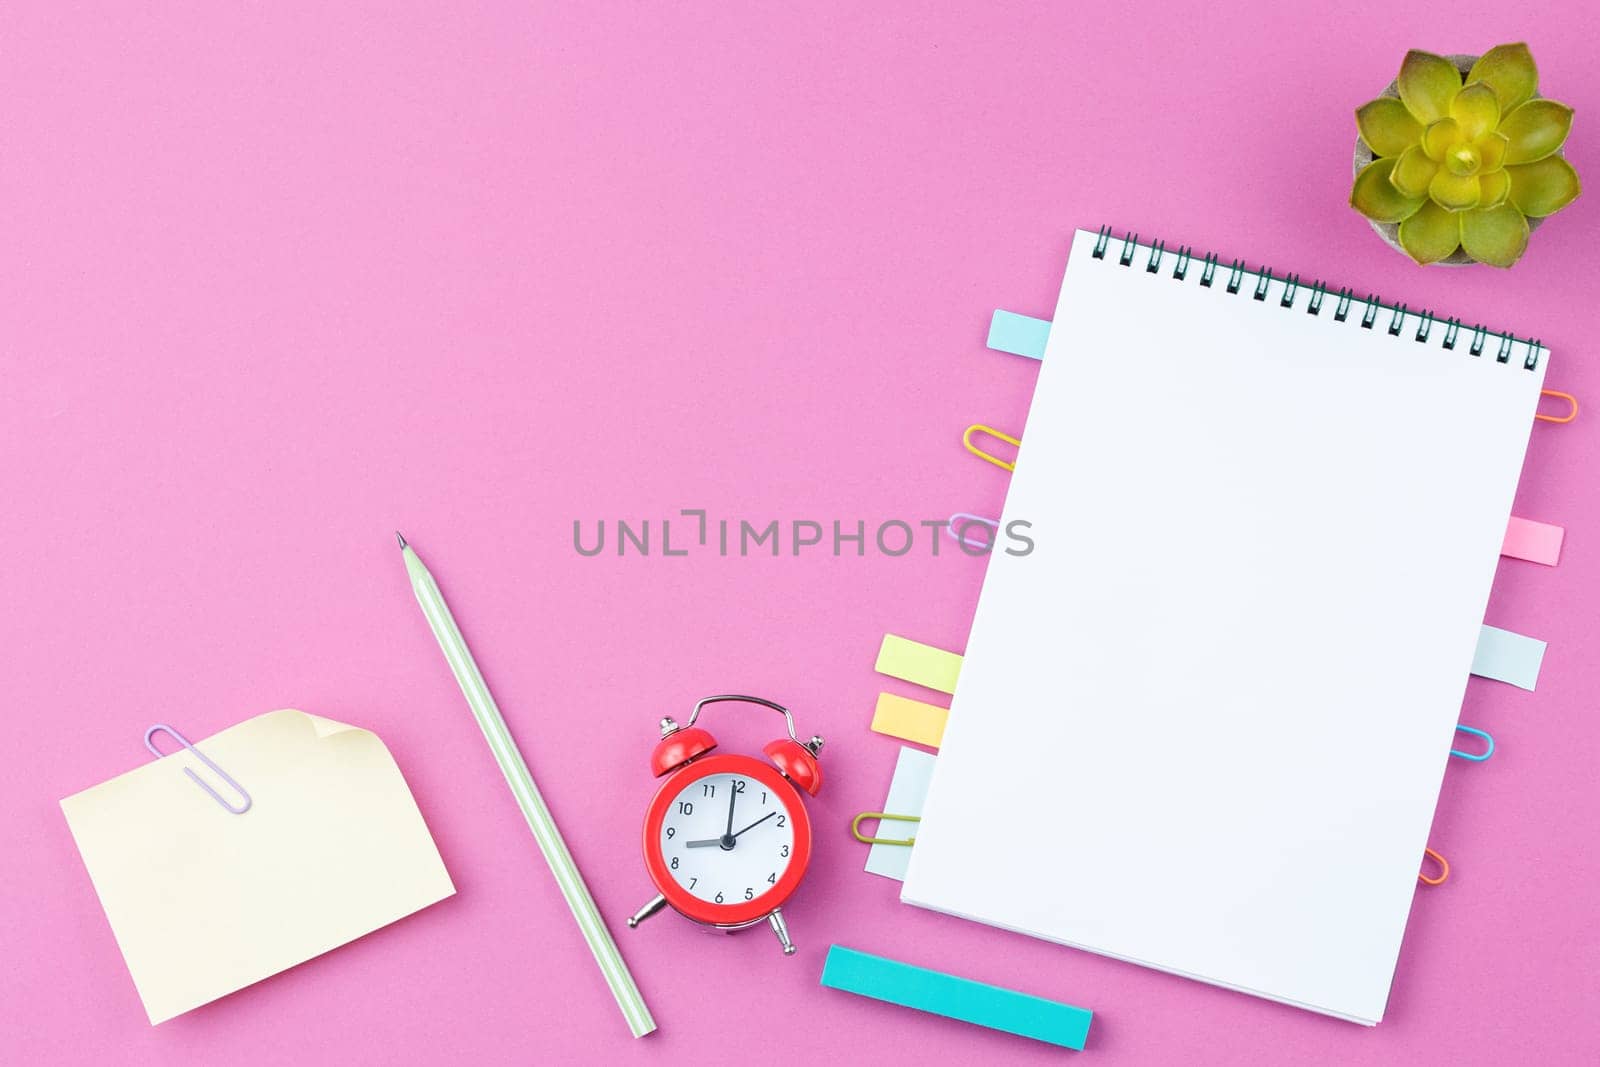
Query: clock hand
(724,841)
(733,798)
(755,824)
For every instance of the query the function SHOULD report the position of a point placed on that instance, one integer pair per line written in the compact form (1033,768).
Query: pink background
(277,281)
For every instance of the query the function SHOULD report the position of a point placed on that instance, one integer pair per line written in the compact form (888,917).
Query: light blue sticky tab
(1021,335)
(908,791)
(956,998)
(1508,657)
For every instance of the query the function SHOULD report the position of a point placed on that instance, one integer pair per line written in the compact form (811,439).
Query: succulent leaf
(1375,196)
(1496,186)
(1413,171)
(1431,233)
(1543,188)
(1386,126)
(1535,130)
(1492,151)
(1507,69)
(1427,84)
(1476,110)
(1497,236)
(1457,192)
(1439,137)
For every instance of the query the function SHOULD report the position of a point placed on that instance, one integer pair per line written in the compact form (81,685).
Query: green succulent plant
(1464,164)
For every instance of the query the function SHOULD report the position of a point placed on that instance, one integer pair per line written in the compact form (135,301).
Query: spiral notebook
(1266,516)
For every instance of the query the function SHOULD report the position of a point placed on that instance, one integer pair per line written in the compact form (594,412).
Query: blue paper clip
(203,758)
(1475,757)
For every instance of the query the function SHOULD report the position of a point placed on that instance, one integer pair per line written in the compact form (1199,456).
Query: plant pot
(1390,231)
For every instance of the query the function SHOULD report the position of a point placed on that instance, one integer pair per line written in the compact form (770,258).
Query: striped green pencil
(532,804)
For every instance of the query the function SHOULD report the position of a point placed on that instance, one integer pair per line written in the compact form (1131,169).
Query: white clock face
(727,838)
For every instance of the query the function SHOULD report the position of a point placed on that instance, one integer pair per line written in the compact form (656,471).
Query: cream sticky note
(910,720)
(204,902)
(919,664)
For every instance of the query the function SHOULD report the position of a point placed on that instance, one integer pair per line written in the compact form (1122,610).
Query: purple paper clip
(962,520)
(203,758)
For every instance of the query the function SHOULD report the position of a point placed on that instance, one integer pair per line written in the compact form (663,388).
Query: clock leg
(781,928)
(645,912)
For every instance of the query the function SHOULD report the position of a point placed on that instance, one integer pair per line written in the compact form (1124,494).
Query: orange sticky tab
(910,720)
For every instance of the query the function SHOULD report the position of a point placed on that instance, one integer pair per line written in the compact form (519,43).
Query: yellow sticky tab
(918,664)
(911,720)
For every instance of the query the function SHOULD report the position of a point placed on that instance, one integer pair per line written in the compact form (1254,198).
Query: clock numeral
(692,881)
(772,879)
(749,894)
(674,863)
(719,898)
(763,798)
(738,785)
(784,851)
(671,832)
(783,820)
(707,789)
(685,808)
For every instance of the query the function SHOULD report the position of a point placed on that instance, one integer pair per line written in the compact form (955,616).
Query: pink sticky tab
(1536,542)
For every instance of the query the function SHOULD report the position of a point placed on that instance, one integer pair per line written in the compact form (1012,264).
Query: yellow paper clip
(978,427)
(1572,406)
(881,816)
(1444,869)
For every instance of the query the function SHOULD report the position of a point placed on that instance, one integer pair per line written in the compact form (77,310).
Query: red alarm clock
(727,838)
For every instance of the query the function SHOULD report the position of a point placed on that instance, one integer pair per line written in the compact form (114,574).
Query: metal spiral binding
(1180,269)
(1397,321)
(1235,275)
(1317,292)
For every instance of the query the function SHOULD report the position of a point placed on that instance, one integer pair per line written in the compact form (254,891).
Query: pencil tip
(401,538)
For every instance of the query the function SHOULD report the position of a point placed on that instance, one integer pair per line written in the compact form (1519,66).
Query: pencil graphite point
(401,538)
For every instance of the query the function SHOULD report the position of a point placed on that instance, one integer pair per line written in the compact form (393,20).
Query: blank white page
(1202,726)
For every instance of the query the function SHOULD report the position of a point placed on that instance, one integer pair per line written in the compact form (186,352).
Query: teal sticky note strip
(1508,657)
(1021,335)
(956,998)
